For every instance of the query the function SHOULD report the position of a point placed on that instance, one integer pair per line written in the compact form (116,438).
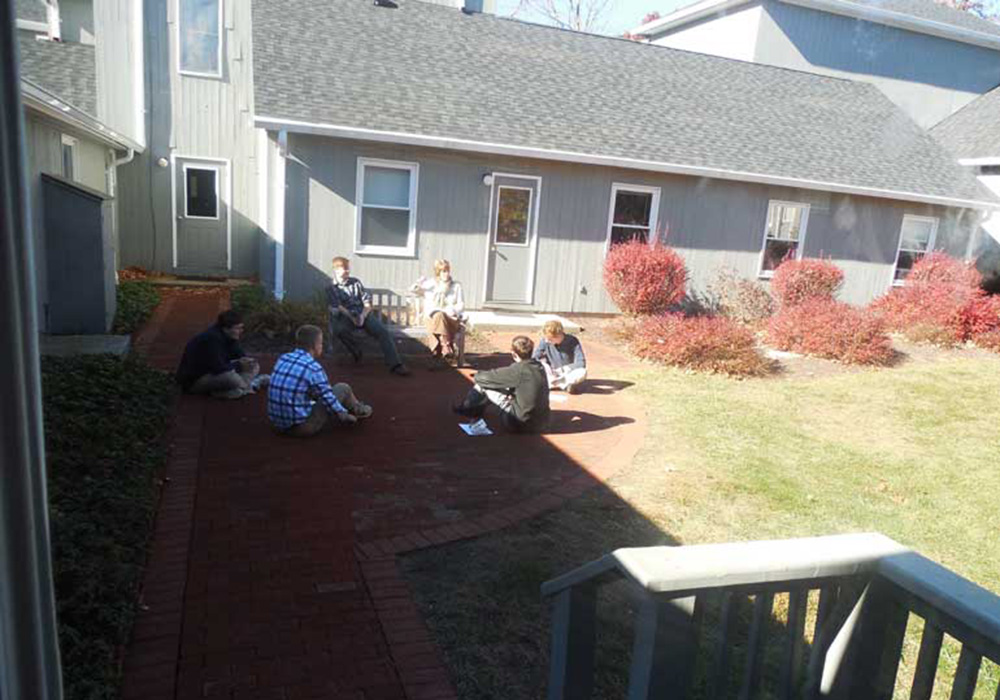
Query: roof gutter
(41,100)
(456,144)
(711,8)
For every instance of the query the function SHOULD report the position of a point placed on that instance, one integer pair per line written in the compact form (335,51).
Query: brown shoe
(400,370)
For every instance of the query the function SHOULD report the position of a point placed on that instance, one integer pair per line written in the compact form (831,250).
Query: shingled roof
(935,12)
(68,70)
(974,130)
(489,83)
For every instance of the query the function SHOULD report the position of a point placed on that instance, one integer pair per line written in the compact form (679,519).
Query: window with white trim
(69,157)
(632,214)
(199,37)
(783,234)
(201,192)
(386,207)
(916,239)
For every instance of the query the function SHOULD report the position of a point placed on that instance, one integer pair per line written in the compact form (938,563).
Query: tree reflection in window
(513,212)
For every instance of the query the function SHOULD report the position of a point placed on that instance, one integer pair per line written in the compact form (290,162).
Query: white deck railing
(868,586)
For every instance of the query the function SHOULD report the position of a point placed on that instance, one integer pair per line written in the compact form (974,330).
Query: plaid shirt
(350,294)
(296,382)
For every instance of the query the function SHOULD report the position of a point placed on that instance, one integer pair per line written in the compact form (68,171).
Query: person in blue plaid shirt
(300,399)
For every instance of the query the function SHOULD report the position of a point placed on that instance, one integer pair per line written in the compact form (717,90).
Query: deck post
(574,627)
(665,647)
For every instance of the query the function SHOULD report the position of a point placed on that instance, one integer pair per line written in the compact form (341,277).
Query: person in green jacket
(520,391)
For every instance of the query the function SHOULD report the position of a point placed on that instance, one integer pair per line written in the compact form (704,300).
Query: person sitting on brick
(350,306)
(561,354)
(520,391)
(214,363)
(300,399)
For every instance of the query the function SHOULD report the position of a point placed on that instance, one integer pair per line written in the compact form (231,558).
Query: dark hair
(229,318)
(522,346)
(306,336)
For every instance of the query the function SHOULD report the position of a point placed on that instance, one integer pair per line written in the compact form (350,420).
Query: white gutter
(41,100)
(992,160)
(711,8)
(456,144)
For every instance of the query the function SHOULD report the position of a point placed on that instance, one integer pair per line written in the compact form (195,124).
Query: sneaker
(260,381)
(401,370)
(363,410)
(573,389)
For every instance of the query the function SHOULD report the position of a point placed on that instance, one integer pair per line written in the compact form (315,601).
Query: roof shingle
(65,69)
(430,70)
(974,130)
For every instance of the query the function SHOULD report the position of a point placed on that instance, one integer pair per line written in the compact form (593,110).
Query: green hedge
(105,420)
(136,301)
(265,315)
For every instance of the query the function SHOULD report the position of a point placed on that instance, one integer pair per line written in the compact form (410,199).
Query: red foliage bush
(831,329)
(797,281)
(702,343)
(642,279)
(931,305)
(979,316)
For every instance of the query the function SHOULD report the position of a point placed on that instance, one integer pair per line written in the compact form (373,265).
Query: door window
(201,193)
(513,213)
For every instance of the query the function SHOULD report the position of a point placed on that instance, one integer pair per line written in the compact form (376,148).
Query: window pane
(916,234)
(67,157)
(385,227)
(785,222)
(905,264)
(202,199)
(623,235)
(633,208)
(199,35)
(512,216)
(776,251)
(388,187)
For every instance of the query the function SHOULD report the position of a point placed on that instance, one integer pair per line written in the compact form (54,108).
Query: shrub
(797,281)
(980,315)
(703,343)
(988,341)
(249,298)
(928,308)
(265,315)
(136,300)
(740,299)
(642,279)
(831,329)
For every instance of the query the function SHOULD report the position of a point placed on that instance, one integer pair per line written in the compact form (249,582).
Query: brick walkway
(273,571)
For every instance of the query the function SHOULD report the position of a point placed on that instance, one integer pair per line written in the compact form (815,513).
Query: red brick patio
(272,572)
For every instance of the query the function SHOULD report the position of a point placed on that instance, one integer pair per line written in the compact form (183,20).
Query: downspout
(113,192)
(279,216)
(53,20)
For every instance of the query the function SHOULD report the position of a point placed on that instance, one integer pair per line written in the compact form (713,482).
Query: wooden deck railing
(868,586)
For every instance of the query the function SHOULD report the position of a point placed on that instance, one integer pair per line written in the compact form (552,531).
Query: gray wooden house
(284,133)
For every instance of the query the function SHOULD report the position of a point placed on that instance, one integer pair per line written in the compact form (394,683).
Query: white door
(202,233)
(513,230)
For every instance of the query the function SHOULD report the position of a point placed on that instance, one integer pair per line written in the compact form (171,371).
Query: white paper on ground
(558,398)
(477,428)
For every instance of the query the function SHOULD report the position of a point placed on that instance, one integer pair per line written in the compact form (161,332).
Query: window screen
(385,220)
(199,36)
(915,240)
(631,218)
(786,222)
(202,193)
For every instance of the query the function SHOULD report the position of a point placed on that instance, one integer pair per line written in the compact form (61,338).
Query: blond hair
(340,261)
(440,266)
(553,329)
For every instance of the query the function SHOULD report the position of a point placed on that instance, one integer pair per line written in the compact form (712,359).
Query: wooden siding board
(929,77)
(712,223)
(117,54)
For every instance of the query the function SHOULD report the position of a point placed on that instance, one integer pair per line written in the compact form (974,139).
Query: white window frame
(222,34)
(73,143)
(409,251)
(654,211)
(218,209)
(932,239)
(804,228)
(496,222)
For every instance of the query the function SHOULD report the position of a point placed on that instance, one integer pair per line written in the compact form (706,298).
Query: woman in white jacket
(443,307)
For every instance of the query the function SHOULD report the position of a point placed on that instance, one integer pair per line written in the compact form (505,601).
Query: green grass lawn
(912,452)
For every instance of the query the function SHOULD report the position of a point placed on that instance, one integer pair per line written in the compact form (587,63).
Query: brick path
(273,574)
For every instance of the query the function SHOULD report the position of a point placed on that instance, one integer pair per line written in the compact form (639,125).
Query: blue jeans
(343,328)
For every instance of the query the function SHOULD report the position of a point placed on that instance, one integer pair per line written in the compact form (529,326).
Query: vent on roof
(386,3)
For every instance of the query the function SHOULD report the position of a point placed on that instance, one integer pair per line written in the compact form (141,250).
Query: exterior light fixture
(163,162)
(488,179)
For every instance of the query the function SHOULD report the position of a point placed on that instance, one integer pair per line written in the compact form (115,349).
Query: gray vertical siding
(194,117)
(929,77)
(44,148)
(712,223)
(119,50)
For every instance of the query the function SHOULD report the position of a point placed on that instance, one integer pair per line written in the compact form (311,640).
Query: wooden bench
(402,315)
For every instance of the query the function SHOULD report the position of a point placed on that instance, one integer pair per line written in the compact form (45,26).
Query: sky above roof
(621,15)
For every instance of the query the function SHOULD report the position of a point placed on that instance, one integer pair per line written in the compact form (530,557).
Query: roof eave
(51,105)
(457,144)
(710,8)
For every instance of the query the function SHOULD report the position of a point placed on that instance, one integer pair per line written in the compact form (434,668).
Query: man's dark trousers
(344,328)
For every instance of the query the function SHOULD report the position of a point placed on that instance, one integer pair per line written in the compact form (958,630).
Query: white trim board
(457,144)
(712,8)
(991,160)
(800,242)
(410,251)
(228,201)
(931,241)
(654,211)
